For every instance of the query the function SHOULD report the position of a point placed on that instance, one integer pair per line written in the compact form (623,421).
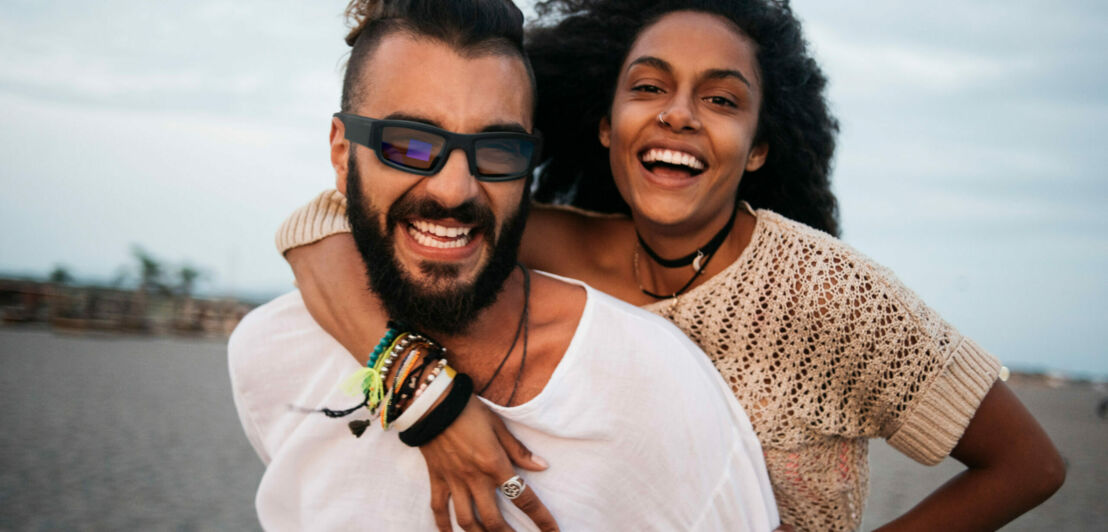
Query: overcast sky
(970,159)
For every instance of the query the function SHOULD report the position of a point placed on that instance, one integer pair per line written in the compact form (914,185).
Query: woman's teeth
(439,236)
(676,158)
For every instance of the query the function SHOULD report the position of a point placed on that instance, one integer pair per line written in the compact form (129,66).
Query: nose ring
(662,120)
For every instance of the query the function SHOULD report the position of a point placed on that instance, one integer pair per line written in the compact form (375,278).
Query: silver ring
(513,487)
(662,120)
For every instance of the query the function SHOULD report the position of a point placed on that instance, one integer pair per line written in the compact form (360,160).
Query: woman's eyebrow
(724,73)
(652,61)
(716,73)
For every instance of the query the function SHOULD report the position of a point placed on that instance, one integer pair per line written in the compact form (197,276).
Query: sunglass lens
(503,157)
(410,147)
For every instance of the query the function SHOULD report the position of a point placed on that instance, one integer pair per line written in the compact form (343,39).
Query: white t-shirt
(638,427)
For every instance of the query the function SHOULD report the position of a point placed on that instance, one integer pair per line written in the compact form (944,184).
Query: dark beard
(444,305)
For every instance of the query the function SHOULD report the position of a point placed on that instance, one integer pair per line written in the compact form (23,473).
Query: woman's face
(683,120)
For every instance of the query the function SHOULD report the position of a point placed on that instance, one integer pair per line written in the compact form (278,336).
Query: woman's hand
(469,461)
(1012,467)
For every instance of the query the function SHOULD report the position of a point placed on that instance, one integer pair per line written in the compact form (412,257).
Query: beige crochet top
(822,347)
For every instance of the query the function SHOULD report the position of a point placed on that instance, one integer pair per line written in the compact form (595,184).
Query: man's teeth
(673,157)
(422,232)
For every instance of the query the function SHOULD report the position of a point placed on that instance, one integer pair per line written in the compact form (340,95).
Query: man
(640,429)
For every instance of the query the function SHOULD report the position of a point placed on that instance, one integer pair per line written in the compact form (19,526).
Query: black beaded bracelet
(442,416)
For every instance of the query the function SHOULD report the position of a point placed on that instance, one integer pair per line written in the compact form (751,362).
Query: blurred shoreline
(153,309)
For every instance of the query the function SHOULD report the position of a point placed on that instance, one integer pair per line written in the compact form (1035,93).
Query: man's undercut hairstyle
(578,48)
(472,27)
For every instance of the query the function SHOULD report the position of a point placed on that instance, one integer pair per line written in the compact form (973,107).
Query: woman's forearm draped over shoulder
(316,241)
(333,283)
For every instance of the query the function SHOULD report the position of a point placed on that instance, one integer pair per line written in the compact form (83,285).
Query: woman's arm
(333,282)
(1012,467)
(932,393)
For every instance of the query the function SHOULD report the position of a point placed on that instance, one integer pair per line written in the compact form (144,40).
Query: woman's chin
(663,212)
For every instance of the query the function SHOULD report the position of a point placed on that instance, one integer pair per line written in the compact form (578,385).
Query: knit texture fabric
(824,349)
(322,217)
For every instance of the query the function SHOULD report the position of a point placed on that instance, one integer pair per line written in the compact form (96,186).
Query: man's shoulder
(265,320)
(600,306)
(266,333)
(605,316)
(273,356)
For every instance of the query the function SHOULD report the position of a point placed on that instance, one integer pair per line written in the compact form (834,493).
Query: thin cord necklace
(699,258)
(638,278)
(522,326)
(696,257)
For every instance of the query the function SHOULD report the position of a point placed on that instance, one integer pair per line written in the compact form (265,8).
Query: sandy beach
(132,433)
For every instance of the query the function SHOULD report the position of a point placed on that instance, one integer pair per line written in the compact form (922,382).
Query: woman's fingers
(463,509)
(518,453)
(440,503)
(469,461)
(529,502)
(484,498)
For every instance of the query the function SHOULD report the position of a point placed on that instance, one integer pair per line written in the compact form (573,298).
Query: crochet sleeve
(322,217)
(899,370)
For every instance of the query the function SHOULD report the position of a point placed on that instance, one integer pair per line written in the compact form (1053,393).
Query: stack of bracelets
(406,399)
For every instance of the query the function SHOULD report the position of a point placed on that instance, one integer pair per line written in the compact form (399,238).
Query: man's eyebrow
(513,127)
(412,118)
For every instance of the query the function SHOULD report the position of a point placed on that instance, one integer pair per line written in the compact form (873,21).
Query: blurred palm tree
(60,275)
(187,278)
(150,270)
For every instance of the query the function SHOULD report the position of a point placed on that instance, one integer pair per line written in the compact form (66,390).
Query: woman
(706,111)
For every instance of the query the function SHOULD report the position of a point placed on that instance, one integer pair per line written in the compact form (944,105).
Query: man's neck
(490,334)
(554,310)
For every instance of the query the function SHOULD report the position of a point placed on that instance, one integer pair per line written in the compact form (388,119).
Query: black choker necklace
(699,258)
(695,258)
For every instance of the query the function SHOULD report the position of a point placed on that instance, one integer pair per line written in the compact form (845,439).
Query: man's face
(437,248)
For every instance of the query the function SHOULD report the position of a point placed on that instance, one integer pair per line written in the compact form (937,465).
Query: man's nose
(454,184)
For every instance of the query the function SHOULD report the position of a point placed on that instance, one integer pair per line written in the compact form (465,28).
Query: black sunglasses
(422,149)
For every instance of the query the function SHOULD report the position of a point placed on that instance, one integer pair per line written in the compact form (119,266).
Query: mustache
(470,212)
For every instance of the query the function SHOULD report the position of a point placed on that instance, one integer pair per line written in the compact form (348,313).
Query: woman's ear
(605,132)
(340,153)
(757,157)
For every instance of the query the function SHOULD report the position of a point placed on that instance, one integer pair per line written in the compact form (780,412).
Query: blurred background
(149,150)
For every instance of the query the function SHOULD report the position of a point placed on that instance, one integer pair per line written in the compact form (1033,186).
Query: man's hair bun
(361,12)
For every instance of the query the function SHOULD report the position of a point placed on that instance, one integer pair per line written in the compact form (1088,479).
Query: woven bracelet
(423,401)
(442,416)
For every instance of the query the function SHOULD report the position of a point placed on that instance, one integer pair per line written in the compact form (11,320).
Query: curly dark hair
(577,48)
